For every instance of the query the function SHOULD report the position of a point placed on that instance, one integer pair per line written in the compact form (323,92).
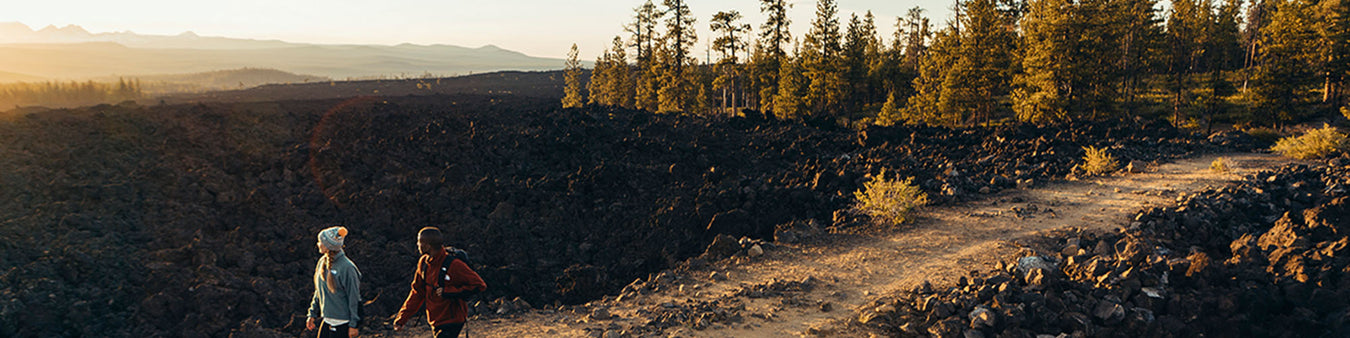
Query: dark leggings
(326,331)
(447,330)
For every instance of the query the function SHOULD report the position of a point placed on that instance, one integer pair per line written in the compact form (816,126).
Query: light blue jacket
(346,302)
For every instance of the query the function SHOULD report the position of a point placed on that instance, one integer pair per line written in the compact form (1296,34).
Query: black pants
(447,330)
(326,331)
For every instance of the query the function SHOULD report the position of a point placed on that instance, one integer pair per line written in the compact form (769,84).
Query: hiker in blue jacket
(336,305)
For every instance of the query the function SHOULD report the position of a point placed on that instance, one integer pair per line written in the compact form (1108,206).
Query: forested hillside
(1196,63)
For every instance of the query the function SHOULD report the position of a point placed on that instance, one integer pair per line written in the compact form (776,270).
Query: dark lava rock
(198,219)
(1243,260)
(722,246)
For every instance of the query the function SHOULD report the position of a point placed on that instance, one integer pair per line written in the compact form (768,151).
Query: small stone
(1152,292)
(521,304)
(826,307)
(755,251)
(722,246)
(1135,167)
(1026,264)
(1107,310)
(1103,249)
(1070,250)
(601,313)
(718,276)
(982,317)
(984,190)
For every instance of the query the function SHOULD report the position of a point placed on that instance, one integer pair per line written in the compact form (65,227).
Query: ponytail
(322,272)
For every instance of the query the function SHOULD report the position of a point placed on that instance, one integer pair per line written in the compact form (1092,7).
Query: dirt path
(852,270)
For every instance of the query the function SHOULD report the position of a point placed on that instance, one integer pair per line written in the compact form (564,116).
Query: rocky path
(811,288)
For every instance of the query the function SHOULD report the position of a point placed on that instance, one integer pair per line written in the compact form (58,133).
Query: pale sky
(545,28)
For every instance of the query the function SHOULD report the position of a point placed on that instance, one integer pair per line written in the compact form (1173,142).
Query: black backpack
(453,253)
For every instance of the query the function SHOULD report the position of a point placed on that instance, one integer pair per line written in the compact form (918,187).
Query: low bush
(889,200)
(1317,143)
(1097,162)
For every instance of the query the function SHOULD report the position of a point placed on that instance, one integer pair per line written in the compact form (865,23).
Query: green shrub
(1316,143)
(1097,161)
(889,200)
(1220,165)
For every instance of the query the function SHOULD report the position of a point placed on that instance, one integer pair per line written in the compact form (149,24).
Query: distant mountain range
(73,53)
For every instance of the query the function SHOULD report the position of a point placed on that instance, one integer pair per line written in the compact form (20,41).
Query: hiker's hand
(309,324)
(440,292)
(353,332)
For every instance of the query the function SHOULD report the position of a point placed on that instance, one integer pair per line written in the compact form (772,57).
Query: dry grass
(1317,143)
(889,201)
(1097,162)
(1220,165)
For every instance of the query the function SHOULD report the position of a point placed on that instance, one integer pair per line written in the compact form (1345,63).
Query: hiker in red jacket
(441,287)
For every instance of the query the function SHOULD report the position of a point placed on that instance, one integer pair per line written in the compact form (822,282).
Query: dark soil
(199,219)
(1265,258)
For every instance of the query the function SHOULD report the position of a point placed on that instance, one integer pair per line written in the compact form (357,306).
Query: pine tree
(1186,30)
(1223,53)
(620,79)
(1141,36)
(981,76)
(967,75)
(890,113)
(821,59)
(1044,87)
(901,65)
(761,73)
(610,83)
(859,54)
(1251,37)
(728,75)
(790,101)
(1334,31)
(1284,72)
(572,79)
(913,30)
(874,90)
(648,72)
(701,77)
(676,90)
(1097,58)
(599,85)
(926,105)
(774,37)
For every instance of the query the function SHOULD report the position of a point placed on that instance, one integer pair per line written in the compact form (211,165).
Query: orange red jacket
(441,308)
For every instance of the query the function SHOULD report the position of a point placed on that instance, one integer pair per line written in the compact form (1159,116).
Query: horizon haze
(535,28)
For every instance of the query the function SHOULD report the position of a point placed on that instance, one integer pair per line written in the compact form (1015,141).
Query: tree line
(1197,63)
(68,94)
